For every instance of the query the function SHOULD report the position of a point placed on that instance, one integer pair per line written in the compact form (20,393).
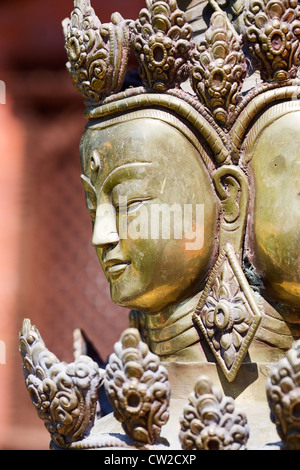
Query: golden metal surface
(149,163)
(276,227)
(221,291)
(221,147)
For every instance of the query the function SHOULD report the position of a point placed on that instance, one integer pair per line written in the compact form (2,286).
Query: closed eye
(131,206)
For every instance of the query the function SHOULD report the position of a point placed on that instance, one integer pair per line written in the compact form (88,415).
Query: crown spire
(272,34)
(162,42)
(97,53)
(219,68)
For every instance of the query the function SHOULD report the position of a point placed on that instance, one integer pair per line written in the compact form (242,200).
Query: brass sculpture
(283,393)
(217,280)
(138,388)
(65,395)
(211,422)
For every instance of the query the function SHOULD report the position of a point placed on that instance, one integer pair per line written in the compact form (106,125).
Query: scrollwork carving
(97,53)
(283,392)
(64,395)
(227,313)
(138,389)
(210,421)
(161,39)
(272,33)
(219,68)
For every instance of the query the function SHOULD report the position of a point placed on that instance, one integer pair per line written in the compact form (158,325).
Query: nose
(105,226)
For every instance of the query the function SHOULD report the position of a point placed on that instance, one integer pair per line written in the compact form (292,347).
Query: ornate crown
(162,40)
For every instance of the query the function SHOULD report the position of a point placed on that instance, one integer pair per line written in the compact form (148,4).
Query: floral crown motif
(272,34)
(97,52)
(217,68)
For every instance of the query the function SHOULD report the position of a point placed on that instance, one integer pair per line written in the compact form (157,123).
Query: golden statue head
(194,199)
(272,160)
(153,207)
(205,160)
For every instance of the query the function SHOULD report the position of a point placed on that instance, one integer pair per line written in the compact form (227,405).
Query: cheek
(163,262)
(144,254)
(99,252)
(185,248)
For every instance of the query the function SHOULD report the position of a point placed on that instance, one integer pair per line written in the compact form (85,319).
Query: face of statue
(135,171)
(276,225)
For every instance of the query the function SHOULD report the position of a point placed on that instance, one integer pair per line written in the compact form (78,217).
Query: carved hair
(194,123)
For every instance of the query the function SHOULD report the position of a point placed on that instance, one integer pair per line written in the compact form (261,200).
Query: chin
(134,300)
(123,298)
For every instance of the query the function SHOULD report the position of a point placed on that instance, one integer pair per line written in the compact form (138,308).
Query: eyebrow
(120,168)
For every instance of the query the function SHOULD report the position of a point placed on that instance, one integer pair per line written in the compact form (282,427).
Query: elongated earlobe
(232,188)
(227,312)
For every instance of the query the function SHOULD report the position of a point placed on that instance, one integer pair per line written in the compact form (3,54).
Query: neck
(280,326)
(170,333)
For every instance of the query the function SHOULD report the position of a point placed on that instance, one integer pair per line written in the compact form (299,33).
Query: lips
(115,267)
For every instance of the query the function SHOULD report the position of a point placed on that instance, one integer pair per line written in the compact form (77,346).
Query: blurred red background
(49,271)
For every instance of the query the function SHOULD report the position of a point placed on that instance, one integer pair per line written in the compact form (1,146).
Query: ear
(233,191)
